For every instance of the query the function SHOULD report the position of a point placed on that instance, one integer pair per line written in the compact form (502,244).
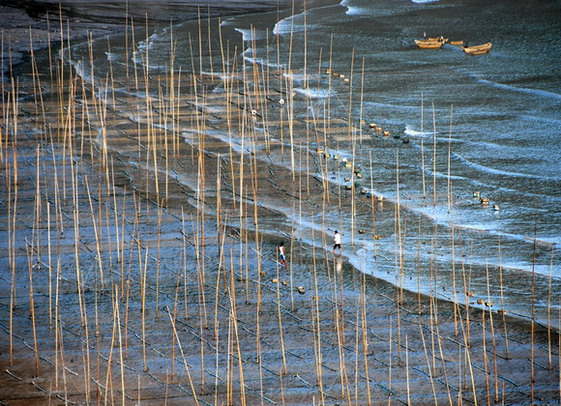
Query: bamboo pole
(433,156)
(187,369)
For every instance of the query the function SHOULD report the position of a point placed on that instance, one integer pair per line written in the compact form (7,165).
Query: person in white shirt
(281,250)
(337,242)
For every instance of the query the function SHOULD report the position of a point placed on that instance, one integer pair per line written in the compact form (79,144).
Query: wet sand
(117,289)
(31,24)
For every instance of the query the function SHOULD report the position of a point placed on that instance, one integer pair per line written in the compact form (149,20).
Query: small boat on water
(431,43)
(459,42)
(478,49)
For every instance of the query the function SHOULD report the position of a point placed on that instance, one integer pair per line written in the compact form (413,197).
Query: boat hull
(478,49)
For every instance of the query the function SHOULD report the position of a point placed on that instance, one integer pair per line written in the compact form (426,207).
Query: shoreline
(81,18)
(194,309)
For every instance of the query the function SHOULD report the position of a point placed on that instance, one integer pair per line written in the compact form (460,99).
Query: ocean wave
(111,56)
(313,93)
(535,92)
(356,11)
(494,171)
(287,26)
(547,120)
(413,133)
(251,34)
(391,106)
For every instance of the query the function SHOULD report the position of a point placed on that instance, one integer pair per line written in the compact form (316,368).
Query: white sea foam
(390,106)
(287,26)
(535,92)
(494,171)
(313,93)
(413,133)
(251,34)
(111,56)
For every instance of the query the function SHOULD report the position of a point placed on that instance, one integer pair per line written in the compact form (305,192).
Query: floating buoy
(263,273)
(348,187)
(363,191)
(380,198)
(357,185)
(344,160)
(253,112)
(489,304)
(326,155)
(378,129)
(386,133)
(359,175)
(496,207)
(275,281)
(477,195)
(501,311)
(361,231)
(373,125)
(347,179)
(377,237)
(342,76)
(348,164)
(336,157)
(346,80)
(484,201)
(328,70)
(335,74)
(480,301)
(469,293)
(319,151)
(301,290)
(406,140)
(281,102)
(284,283)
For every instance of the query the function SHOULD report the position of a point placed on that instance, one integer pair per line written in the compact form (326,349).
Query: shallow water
(485,124)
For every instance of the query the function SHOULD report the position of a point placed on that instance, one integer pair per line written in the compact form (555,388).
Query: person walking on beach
(281,250)
(337,242)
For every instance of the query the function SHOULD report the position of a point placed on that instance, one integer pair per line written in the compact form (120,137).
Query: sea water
(463,127)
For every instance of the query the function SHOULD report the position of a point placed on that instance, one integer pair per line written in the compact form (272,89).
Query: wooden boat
(431,43)
(478,49)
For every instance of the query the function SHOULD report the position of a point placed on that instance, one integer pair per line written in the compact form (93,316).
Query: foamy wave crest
(413,133)
(534,92)
(352,10)
(356,11)
(82,71)
(251,34)
(494,171)
(313,93)
(111,56)
(547,120)
(149,42)
(424,1)
(286,26)
(391,106)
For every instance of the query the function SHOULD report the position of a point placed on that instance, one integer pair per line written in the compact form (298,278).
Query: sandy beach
(136,269)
